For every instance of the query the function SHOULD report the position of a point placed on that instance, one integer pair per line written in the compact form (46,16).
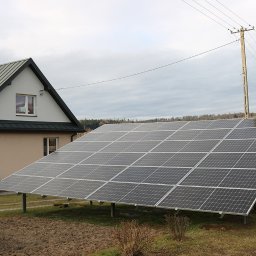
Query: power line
(224,21)
(219,10)
(253,39)
(233,12)
(250,48)
(152,69)
(209,17)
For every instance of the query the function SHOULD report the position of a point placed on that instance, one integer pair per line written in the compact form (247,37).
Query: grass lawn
(208,235)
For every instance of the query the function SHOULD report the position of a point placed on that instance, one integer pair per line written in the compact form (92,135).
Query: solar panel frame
(148,138)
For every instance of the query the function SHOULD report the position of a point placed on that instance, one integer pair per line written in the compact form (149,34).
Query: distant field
(82,229)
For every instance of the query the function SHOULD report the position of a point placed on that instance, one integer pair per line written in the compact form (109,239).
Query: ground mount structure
(207,166)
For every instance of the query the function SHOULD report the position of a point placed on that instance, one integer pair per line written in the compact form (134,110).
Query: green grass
(227,236)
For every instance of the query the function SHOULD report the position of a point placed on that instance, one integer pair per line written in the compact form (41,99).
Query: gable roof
(9,71)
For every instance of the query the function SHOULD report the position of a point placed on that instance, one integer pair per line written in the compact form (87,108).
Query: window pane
(31,105)
(52,145)
(21,104)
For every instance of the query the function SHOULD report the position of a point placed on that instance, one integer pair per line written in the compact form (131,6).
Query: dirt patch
(36,236)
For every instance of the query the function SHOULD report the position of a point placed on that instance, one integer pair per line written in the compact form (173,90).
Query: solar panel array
(199,165)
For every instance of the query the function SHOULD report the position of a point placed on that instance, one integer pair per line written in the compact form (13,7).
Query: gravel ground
(37,236)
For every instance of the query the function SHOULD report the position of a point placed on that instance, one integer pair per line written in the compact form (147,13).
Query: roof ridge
(7,63)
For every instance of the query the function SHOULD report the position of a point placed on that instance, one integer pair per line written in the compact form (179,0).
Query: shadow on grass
(100,215)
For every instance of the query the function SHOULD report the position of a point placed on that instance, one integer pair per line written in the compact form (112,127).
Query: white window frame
(26,104)
(48,144)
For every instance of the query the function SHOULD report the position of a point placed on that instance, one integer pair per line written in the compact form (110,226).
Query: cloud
(80,42)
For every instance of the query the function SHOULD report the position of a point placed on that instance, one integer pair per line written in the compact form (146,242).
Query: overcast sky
(80,41)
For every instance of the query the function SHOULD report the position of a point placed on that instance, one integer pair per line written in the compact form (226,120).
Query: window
(25,104)
(50,145)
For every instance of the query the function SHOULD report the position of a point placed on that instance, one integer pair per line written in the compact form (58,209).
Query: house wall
(28,83)
(18,150)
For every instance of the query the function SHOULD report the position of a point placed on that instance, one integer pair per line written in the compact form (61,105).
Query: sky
(78,42)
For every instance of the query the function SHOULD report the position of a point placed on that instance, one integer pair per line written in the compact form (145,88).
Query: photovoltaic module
(198,165)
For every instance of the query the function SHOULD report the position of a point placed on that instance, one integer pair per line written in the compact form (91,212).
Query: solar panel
(248,160)
(165,175)
(247,133)
(200,165)
(234,146)
(104,172)
(142,146)
(230,201)
(212,134)
(199,146)
(45,169)
(112,192)
(29,184)
(186,198)
(54,187)
(117,147)
(221,160)
(205,177)
(81,189)
(171,146)
(11,181)
(247,123)
(184,160)
(252,148)
(238,178)
(84,146)
(133,136)
(197,125)
(66,157)
(185,135)
(135,174)
(78,171)
(154,159)
(224,123)
(145,194)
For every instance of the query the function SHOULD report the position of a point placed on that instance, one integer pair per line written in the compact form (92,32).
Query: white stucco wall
(27,83)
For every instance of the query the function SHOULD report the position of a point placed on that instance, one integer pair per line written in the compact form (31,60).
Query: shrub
(177,225)
(132,239)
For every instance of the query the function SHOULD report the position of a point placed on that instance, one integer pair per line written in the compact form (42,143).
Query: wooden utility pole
(244,69)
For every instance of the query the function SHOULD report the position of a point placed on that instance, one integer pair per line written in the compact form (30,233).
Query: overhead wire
(227,8)
(151,69)
(226,15)
(206,15)
(219,10)
(202,6)
(250,48)
(253,39)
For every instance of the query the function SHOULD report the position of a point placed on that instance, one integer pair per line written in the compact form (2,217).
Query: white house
(34,120)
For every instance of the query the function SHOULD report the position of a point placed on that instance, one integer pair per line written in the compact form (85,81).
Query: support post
(113,206)
(24,203)
(244,69)
(245,220)
(245,80)
(90,203)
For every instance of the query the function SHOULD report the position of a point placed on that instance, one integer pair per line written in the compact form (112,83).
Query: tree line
(91,124)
